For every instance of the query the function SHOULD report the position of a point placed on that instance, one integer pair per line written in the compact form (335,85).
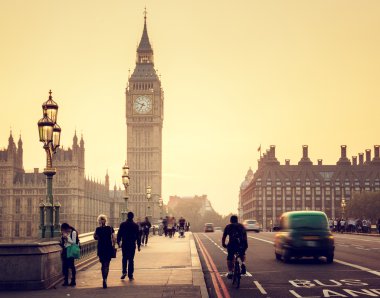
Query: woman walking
(106,245)
(69,237)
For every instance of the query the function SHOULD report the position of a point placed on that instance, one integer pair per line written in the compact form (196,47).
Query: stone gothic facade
(82,199)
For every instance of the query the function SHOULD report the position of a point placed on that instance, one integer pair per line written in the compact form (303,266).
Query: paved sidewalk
(165,268)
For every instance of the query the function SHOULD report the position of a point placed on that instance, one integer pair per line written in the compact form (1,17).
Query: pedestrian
(69,236)
(128,234)
(140,225)
(378,225)
(145,231)
(165,224)
(106,246)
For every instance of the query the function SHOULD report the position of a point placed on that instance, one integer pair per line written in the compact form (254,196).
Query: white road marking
(260,287)
(298,296)
(271,242)
(335,260)
(358,267)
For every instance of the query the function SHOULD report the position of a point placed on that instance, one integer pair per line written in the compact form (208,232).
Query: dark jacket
(128,234)
(146,226)
(104,237)
(237,236)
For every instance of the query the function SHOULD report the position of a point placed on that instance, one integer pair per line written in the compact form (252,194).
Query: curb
(360,234)
(196,267)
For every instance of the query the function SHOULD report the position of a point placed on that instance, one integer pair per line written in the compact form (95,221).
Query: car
(209,227)
(304,234)
(251,225)
(218,229)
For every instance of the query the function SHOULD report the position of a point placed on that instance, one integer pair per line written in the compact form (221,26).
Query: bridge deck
(164,268)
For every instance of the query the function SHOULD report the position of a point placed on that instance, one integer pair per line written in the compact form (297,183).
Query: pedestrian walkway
(167,267)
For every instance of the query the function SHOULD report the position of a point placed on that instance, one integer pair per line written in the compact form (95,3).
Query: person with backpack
(68,238)
(237,243)
(106,246)
(145,231)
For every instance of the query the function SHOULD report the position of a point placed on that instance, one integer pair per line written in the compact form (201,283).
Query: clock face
(142,104)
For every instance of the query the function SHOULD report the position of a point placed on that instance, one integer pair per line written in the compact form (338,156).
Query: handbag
(114,250)
(73,251)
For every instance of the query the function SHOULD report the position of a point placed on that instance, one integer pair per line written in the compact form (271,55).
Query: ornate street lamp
(148,197)
(125,179)
(343,205)
(50,135)
(161,205)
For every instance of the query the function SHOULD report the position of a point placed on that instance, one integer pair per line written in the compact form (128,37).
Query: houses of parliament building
(82,199)
(275,188)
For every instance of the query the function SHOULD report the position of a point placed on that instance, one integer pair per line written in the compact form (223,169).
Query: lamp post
(161,205)
(125,178)
(50,135)
(148,197)
(343,205)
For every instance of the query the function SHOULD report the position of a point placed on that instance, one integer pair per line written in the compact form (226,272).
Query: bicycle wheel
(237,274)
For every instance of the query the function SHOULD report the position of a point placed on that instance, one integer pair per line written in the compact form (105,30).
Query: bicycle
(236,274)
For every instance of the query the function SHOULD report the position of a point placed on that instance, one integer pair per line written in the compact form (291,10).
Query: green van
(304,234)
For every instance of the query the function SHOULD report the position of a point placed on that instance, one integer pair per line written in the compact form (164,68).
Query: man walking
(145,231)
(128,234)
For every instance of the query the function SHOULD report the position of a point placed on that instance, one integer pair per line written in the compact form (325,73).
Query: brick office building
(277,188)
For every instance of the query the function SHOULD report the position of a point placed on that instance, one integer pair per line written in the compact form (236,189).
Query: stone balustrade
(34,266)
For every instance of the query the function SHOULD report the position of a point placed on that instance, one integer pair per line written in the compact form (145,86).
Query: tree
(364,205)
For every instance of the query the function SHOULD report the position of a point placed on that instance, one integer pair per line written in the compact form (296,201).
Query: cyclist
(237,243)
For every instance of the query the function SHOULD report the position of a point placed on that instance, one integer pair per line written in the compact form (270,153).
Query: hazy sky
(236,74)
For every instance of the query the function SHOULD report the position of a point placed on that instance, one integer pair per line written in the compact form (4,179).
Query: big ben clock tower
(145,115)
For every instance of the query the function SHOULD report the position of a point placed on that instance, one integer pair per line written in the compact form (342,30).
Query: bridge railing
(34,266)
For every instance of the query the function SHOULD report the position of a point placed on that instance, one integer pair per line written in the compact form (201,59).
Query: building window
(17,207)
(317,190)
(17,229)
(29,206)
(298,191)
(308,191)
(28,229)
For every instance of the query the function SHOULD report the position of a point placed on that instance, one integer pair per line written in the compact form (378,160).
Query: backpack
(236,236)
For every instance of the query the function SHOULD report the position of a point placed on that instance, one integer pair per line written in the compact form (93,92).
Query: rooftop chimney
(287,162)
(304,151)
(272,151)
(305,160)
(343,160)
(343,151)
(319,162)
(368,156)
(355,160)
(377,152)
(361,159)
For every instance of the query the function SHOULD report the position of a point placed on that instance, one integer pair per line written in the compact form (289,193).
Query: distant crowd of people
(350,225)
(170,226)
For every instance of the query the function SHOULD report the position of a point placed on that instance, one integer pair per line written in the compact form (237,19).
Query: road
(355,271)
